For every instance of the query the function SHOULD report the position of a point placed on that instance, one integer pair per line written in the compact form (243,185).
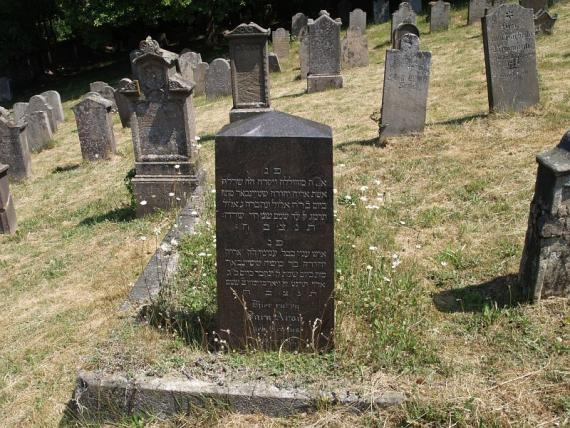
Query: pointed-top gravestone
(544,22)
(355,49)
(402,30)
(249,70)
(439,15)
(274,65)
(218,79)
(510,58)
(357,19)
(404,15)
(274,199)
(298,22)
(7,211)
(14,149)
(163,129)
(39,103)
(324,54)
(406,83)
(281,39)
(477,9)
(95,127)
(54,100)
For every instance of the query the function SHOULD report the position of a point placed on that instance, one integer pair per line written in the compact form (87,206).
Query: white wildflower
(377,182)
(201,254)
(363,188)
(368,267)
(143,203)
(373,248)
(171,194)
(444,264)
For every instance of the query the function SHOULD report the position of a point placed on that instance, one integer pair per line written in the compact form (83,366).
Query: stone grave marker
(200,73)
(510,58)
(535,5)
(249,70)
(39,103)
(54,100)
(123,104)
(545,264)
(416,5)
(439,16)
(20,111)
(14,149)
(281,41)
(544,22)
(188,60)
(355,49)
(95,128)
(357,19)
(163,130)
(404,15)
(274,232)
(476,10)
(8,223)
(381,11)
(38,131)
(105,90)
(406,82)
(274,65)
(324,54)
(304,52)
(5,89)
(298,22)
(401,31)
(218,79)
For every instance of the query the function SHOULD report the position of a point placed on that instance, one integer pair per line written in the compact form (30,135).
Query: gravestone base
(162,192)
(320,83)
(245,113)
(8,218)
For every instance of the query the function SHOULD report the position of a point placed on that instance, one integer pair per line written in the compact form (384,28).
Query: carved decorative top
(251,29)
(149,45)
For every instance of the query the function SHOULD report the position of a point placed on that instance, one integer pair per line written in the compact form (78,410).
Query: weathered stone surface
(357,19)
(39,103)
(544,22)
(355,49)
(188,60)
(200,73)
(54,100)
(249,70)
(400,31)
(298,22)
(274,65)
(14,150)
(439,15)
(510,58)
(38,131)
(218,79)
(123,104)
(163,129)
(304,52)
(20,111)
(281,39)
(8,223)
(406,83)
(545,264)
(324,54)
(404,15)
(535,5)
(105,90)
(274,204)
(477,9)
(5,89)
(95,128)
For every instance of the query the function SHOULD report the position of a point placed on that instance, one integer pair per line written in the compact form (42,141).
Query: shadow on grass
(365,142)
(66,168)
(460,120)
(382,45)
(296,95)
(503,291)
(206,138)
(117,215)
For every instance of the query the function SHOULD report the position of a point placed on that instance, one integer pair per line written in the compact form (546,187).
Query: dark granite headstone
(298,22)
(281,39)
(381,10)
(274,233)
(54,100)
(357,19)
(545,264)
(510,58)
(439,15)
(218,79)
(406,83)
(95,128)
(274,65)
(544,22)
(39,103)
(324,54)
(249,70)
(402,30)
(14,150)
(404,15)
(123,104)
(477,9)
(200,73)
(8,223)
(355,49)
(38,131)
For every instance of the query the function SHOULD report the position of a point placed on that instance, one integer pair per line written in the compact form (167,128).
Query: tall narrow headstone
(402,30)
(249,70)
(510,58)
(8,223)
(545,264)
(163,129)
(14,149)
(274,233)
(381,10)
(355,49)
(406,83)
(218,79)
(200,73)
(357,19)
(38,131)
(39,103)
(476,10)
(123,104)
(298,22)
(281,39)
(274,65)
(439,15)
(95,128)
(304,52)
(188,60)
(324,54)
(404,15)
(54,100)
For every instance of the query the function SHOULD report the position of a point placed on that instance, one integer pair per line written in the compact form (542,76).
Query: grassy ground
(414,275)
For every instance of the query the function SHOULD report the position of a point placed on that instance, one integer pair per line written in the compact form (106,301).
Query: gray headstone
(281,38)
(188,60)
(14,149)
(200,73)
(544,22)
(39,103)
(105,90)
(274,65)
(439,15)
(218,79)
(123,104)
(381,10)
(404,15)
(304,52)
(95,128)
(8,223)
(324,54)
(298,22)
(355,49)
(357,19)
(38,131)
(54,100)
(477,9)
(535,5)
(406,83)
(402,30)
(5,89)
(20,111)
(249,70)
(545,264)
(274,199)
(510,58)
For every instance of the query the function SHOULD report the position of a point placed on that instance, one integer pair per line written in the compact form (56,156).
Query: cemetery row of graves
(366,246)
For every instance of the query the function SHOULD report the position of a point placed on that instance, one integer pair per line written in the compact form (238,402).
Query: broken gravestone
(95,127)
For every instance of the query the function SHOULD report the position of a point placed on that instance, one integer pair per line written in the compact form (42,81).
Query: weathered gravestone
(281,38)
(218,79)
(163,130)
(200,73)
(545,264)
(274,65)
(355,49)
(249,70)
(14,149)
(439,15)
(357,19)
(304,52)
(274,232)
(38,131)
(298,22)
(381,10)
(510,58)
(476,10)
(4,112)
(105,90)
(404,15)
(20,111)
(188,60)
(123,104)
(5,89)
(402,30)
(39,103)
(535,5)
(7,211)
(95,128)
(54,100)
(544,22)
(324,54)
(406,83)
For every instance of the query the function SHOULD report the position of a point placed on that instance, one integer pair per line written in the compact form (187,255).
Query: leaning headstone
(355,49)
(8,223)
(39,103)
(249,70)
(476,10)
(304,52)
(20,111)
(298,22)
(510,58)
(281,38)
(105,90)
(5,89)
(188,60)
(123,104)
(381,10)
(439,15)
(402,30)
(535,5)
(357,19)
(163,131)
(95,128)
(14,149)
(404,15)
(218,79)
(274,233)
(274,65)
(545,264)
(200,73)
(544,22)
(38,131)
(406,83)
(324,54)
(54,100)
